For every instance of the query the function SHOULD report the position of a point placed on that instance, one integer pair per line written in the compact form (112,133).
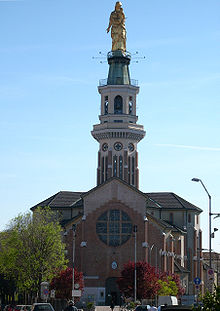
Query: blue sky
(49,100)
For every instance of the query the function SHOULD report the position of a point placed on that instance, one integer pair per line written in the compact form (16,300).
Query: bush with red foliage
(147,277)
(147,280)
(63,283)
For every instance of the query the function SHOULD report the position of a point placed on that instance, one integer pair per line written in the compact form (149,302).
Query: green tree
(32,250)
(167,287)
(210,301)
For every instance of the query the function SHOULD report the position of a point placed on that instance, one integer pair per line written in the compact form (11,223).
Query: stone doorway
(112,291)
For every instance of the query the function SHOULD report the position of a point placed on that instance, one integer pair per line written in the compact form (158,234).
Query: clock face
(131,147)
(114,265)
(105,147)
(118,146)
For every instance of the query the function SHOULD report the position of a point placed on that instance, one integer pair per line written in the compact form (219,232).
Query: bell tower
(118,132)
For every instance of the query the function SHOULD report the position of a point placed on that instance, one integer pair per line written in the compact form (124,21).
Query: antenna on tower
(100,57)
(136,58)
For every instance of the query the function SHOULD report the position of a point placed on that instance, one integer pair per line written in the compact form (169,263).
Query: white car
(42,307)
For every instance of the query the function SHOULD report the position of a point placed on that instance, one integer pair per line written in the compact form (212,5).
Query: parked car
(142,308)
(23,307)
(167,300)
(42,307)
(176,308)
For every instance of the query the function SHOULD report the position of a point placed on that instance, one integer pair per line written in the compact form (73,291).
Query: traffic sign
(52,293)
(76,293)
(45,291)
(197,281)
(210,274)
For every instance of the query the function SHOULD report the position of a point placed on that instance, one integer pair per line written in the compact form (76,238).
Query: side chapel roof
(61,199)
(170,200)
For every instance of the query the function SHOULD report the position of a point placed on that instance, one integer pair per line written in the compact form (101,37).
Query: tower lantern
(118,132)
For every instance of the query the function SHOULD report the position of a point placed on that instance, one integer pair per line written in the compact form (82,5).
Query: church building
(115,222)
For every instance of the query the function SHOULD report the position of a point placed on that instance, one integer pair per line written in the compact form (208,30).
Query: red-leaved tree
(63,283)
(147,280)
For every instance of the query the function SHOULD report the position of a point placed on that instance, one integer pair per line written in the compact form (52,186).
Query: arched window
(118,105)
(130,105)
(106,105)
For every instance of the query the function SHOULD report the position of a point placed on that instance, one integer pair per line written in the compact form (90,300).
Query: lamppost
(210,221)
(150,248)
(74,238)
(135,260)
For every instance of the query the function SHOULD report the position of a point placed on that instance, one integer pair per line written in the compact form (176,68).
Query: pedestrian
(153,308)
(112,305)
(122,300)
(70,306)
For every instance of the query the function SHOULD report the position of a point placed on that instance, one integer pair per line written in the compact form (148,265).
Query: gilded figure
(117,26)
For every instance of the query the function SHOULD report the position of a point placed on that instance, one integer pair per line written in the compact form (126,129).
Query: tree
(170,282)
(150,282)
(210,301)
(167,287)
(32,250)
(63,283)
(147,280)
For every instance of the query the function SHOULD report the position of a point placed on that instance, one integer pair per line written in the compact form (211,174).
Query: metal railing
(104,82)
(119,54)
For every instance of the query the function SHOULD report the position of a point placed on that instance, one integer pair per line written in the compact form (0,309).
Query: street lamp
(74,238)
(135,261)
(150,248)
(210,221)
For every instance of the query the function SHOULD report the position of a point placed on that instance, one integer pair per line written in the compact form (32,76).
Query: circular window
(114,227)
(131,147)
(118,146)
(105,147)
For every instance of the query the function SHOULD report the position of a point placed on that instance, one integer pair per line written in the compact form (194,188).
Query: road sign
(52,293)
(210,274)
(76,286)
(76,293)
(197,281)
(45,292)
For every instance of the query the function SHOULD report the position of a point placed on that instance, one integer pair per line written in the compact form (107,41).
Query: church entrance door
(112,291)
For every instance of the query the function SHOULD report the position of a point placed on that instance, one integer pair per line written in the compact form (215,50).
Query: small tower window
(132,172)
(106,105)
(120,167)
(115,166)
(118,105)
(130,105)
(106,168)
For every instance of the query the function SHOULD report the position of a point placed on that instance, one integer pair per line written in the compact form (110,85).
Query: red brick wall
(97,257)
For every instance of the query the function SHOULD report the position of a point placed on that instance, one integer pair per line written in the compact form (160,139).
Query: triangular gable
(115,190)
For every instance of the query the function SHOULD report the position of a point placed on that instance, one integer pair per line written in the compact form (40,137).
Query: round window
(105,147)
(118,146)
(131,147)
(114,227)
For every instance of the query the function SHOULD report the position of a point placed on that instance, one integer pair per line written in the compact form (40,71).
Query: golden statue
(118,31)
